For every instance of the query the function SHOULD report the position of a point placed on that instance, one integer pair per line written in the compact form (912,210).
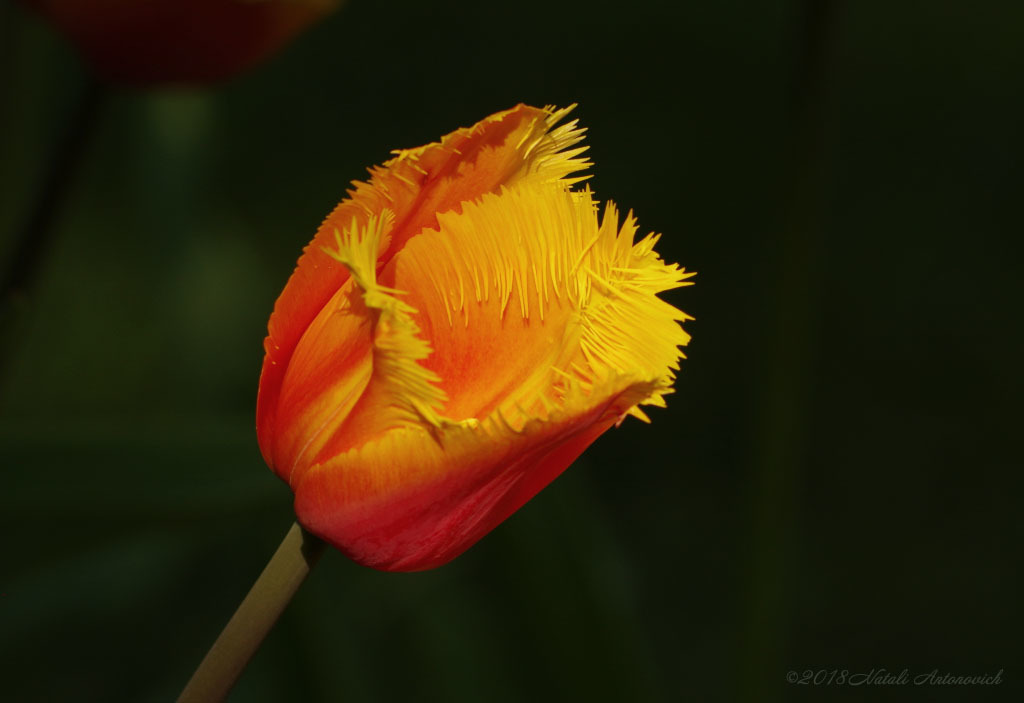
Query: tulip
(462,326)
(144,42)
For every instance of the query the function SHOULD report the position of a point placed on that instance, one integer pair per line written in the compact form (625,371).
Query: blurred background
(836,483)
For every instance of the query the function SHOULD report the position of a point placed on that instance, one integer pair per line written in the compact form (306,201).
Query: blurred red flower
(146,42)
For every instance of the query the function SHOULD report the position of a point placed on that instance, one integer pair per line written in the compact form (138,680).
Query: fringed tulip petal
(524,291)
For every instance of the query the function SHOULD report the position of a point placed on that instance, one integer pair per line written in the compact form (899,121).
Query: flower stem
(266,600)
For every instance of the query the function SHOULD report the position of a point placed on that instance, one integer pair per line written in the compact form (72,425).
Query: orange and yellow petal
(527,291)
(413,500)
(333,361)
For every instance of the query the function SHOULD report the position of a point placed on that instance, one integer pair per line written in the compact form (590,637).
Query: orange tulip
(459,330)
(142,42)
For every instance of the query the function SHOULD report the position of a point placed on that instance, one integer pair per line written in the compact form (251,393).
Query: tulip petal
(525,291)
(508,147)
(331,368)
(333,361)
(413,500)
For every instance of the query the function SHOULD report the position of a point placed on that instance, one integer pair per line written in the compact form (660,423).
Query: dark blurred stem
(249,626)
(789,358)
(35,237)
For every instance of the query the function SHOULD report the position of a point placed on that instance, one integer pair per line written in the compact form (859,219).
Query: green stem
(249,626)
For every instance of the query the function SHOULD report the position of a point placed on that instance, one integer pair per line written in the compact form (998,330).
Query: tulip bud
(462,326)
(145,42)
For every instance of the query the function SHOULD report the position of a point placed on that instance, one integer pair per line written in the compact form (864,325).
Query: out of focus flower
(146,42)
(459,330)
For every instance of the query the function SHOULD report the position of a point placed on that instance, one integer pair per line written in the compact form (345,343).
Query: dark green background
(835,485)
